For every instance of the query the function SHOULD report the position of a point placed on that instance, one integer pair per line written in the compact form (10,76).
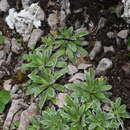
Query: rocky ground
(106,42)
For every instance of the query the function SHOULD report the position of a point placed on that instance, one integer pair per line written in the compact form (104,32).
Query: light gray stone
(103,66)
(109,49)
(111,35)
(85,43)
(25,3)
(126,13)
(95,50)
(4,6)
(77,77)
(16,48)
(53,20)
(7,45)
(123,34)
(61,100)
(15,107)
(7,85)
(2,74)
(83,66)
(35,36)
(27,115)
(2,55)
(72,69)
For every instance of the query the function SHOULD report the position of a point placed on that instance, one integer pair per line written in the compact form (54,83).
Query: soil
(116,76)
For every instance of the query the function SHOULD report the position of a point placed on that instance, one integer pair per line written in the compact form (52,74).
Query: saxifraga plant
(68,42)
(83,109)
(82,113)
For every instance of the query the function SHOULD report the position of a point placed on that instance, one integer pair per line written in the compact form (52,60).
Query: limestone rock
(35,36)
(95,50)
(103,66)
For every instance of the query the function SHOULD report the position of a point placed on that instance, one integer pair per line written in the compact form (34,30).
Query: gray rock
(9,58)
(78,10)
(95,50)
(123,34)
(81,29)
(2,74)
(24,20)
(26,115)
(4,6)
(72,69)
(103,66)
(111,35)
(109,49)
(7,45)
(16,48)
(2,54)
(83,66)
(53,20)
(77,77)
(61,100)
(14,108)
(85,43)
(35,36)
(66,6)
(14,89)
(7,85)
(2,62)
(126,68)
(101,23)
(126,13)
(62,19)
(118,41)
(25,3)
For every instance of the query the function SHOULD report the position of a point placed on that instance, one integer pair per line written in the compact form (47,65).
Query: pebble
(103,66)
(123,34)
(53,20)
(26,115)
(83,66)
(2,74)
(2,54)
(126,68)
(16,48)
(62,19)
(4,5)
(72,69)
(35,36)
(109,49)
(77,77)
(25,3)
(9,58)
(14,89)
(66,6)
(7,85)
(14,108)
(61,100)
(111,35)
(82,29)
(7,45)
(95,50)
(101,23)
(85,43)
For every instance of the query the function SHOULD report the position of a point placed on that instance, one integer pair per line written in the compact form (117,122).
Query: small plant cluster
(88,105)
(48,63)
(4,99)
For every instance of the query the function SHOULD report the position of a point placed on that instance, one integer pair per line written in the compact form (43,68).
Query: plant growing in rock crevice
(68,42)
(83,109)
(79,113)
